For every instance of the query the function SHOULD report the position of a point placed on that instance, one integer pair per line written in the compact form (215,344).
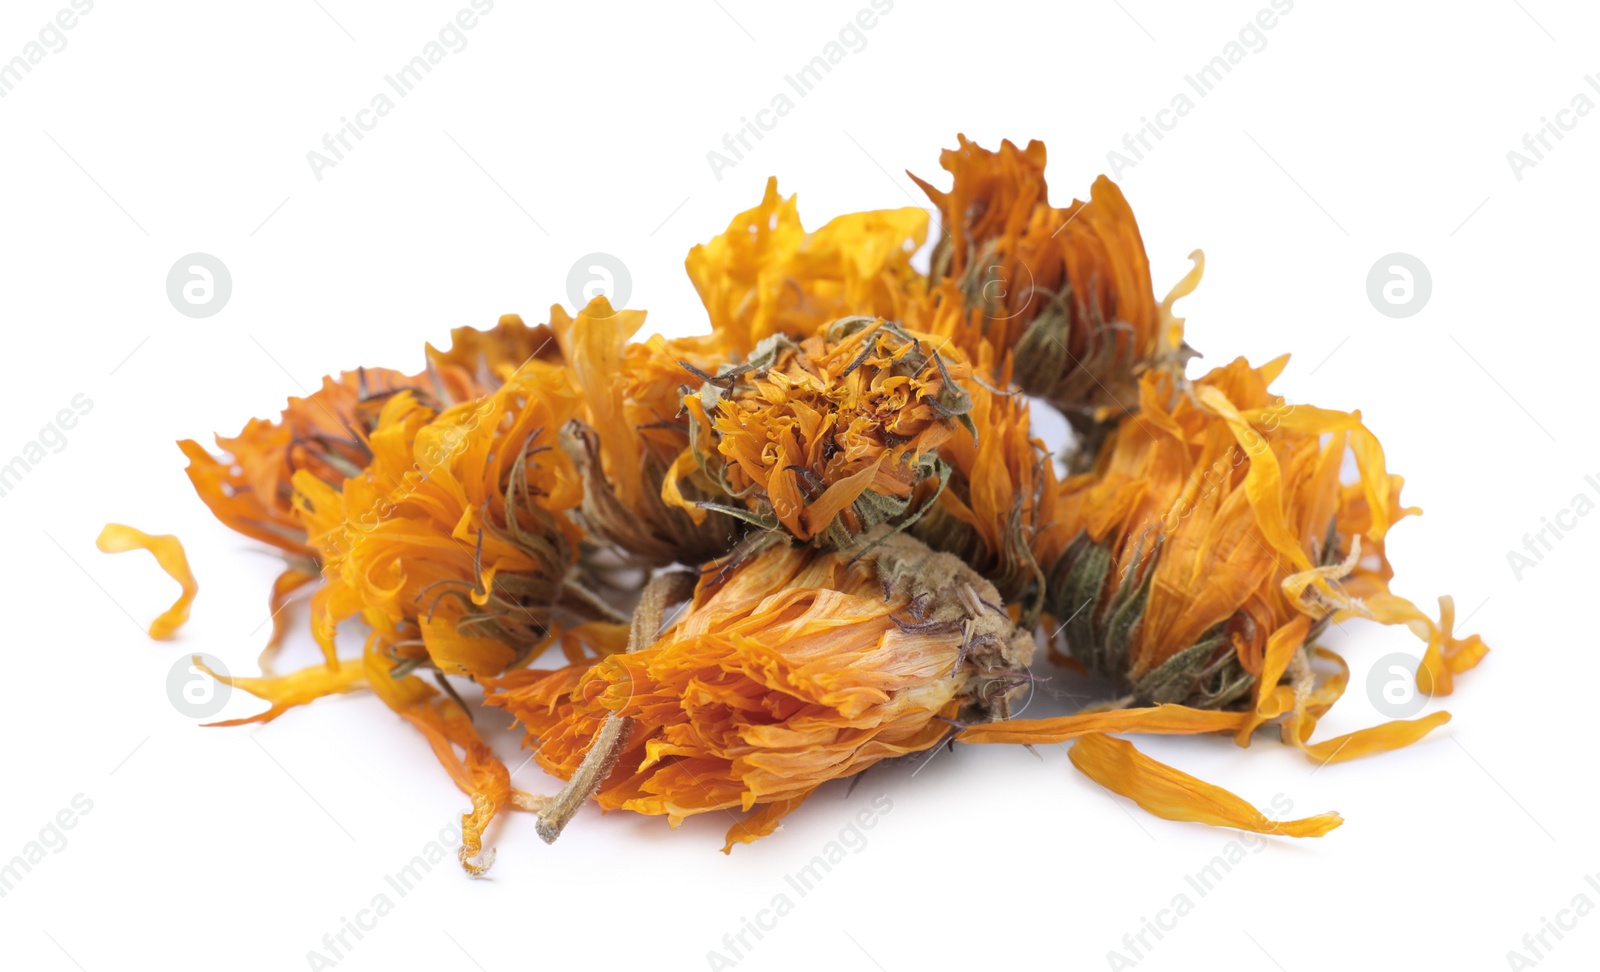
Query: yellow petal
(1173,795)
(291,580)
(470,762)
(456,653)
(284,692)
(116,538)
(1446,655)
(1171,324)
(1263,481)
(1281,647)
(1170,720)
(1375,739)
(763,822)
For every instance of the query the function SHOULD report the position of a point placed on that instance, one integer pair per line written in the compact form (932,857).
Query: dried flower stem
(663,590)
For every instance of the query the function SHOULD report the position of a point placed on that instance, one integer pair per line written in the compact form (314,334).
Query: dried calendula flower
(454,544)
(789,668)
(1212,521)
(829,436)
(631,430)
(325,435)
(1212,542)
(1066,291)
(767,276)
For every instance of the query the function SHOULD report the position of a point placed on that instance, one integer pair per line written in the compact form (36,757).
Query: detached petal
(116,538)
(1375,739)
(1166,720)
(284,692)
(1173,795)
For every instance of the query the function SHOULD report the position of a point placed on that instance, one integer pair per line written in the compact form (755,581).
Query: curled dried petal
(168,551)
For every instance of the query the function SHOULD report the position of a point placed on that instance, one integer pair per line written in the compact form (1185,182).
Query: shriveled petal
(1263,481)
(762,822)
(1270,702)
(1446,655)
(1165,720)
(291,580)
(1174,795)
(1375,739)
(168,551)
(284,692)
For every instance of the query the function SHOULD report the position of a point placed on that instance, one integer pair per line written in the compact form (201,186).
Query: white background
(1361,129)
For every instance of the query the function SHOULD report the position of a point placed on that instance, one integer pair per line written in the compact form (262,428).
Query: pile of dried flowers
(842,481)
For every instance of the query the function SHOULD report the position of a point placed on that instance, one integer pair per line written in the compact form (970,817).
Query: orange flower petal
(459,653)
(448,728)
(291,580)
(763,822)
(1173,795)
(1375,739)
(1280,648)
(838,497)
(1446,655)
(1165,720)
(284,692)
(116,538)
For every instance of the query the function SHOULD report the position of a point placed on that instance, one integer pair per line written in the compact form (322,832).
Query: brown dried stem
(662,591)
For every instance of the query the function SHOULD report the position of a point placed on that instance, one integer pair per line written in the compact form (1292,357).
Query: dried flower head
(454,544)
(326,436)
(1067,291)
(790,668)
(1214,540)
(828,436)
